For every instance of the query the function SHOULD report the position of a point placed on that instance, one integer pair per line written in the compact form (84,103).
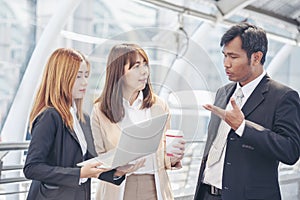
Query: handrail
(285,178)
(9,146)
(289,178)
(12,146)
(185,197)
(11,167)
(13,180)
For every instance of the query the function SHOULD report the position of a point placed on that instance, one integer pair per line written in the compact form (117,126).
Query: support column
(15,126)
(279,58)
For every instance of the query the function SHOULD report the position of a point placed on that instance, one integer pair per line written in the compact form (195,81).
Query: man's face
(238,67)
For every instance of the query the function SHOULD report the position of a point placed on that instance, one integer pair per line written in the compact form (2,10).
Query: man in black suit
(246,142)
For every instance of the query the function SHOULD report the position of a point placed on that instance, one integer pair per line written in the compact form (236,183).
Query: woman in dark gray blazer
(61,133)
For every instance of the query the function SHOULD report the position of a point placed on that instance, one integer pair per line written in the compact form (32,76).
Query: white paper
(136,141)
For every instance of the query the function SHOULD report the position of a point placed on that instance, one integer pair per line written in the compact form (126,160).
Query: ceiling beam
(181,9)
(230,7)
(291,21)
(215,18)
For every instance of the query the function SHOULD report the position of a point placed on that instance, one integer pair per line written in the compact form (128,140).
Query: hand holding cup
(175,145)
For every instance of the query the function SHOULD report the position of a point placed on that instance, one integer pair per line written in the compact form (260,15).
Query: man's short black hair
(253,38)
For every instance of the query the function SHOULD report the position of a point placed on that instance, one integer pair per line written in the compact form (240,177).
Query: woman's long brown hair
(57,83)
(111,99)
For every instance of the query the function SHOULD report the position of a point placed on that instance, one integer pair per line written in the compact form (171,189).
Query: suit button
(225,188)
(232,139)
(228,163)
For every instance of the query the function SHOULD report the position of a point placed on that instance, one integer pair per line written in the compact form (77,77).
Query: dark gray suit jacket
(52,156)
(271,135)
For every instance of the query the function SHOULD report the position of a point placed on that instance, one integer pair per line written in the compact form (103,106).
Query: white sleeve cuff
(241,129)
(82,180)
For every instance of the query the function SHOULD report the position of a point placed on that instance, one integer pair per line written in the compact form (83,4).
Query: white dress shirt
(80,135)
(133,114)
(213,174)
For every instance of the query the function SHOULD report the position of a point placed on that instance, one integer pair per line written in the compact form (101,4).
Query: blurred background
(181,38)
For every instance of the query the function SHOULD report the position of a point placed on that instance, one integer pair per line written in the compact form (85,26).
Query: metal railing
(289,175)
(6,147)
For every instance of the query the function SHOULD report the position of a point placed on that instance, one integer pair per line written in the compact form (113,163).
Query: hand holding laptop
(92,170)
(136,141)
(129,168)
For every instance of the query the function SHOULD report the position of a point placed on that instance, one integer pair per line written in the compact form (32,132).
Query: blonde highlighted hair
(57,83)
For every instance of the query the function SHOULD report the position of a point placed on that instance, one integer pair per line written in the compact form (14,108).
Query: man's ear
(256,57)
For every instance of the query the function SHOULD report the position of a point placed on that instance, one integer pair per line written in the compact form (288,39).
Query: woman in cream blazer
(127,80)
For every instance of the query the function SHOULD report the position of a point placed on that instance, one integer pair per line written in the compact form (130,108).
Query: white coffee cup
(172,137)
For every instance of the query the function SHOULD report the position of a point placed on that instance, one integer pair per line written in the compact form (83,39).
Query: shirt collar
(73,107)
(137,104)
(249,87)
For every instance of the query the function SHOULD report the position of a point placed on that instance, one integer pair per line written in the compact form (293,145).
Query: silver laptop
(136,141)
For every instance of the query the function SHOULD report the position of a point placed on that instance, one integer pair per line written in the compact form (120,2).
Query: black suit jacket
(52,156)
(271,135)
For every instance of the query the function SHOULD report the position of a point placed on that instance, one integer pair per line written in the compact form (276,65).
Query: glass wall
(185,60)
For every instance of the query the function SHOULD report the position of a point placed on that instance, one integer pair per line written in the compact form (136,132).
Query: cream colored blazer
(106,136)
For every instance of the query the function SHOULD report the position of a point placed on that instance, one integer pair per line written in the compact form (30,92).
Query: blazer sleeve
(97,131)
(37,165)
(109,177)
(105,176)
(282,141)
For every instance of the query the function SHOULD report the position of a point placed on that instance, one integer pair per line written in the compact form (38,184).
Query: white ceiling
(280,18)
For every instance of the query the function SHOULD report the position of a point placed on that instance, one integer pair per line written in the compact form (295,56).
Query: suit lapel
(256,97)
(73,134)
(88,137)
(221,100)
(224,96)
